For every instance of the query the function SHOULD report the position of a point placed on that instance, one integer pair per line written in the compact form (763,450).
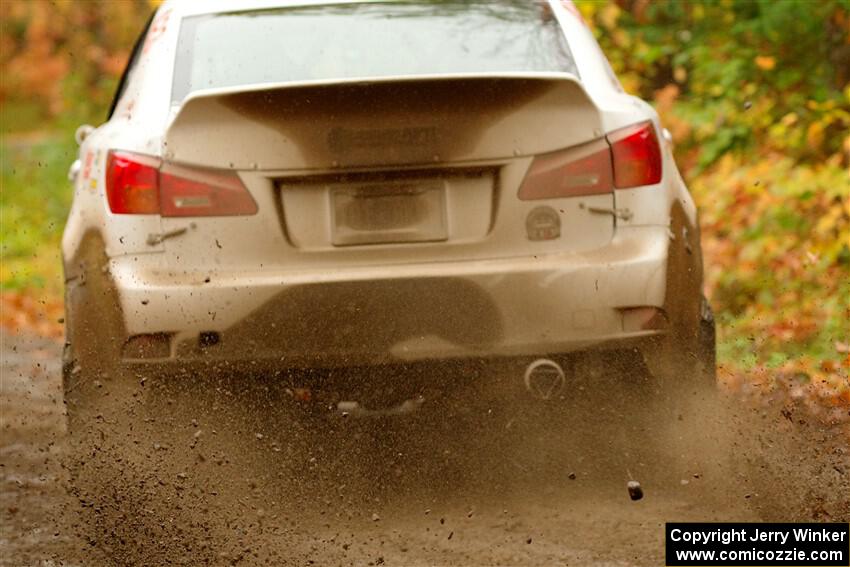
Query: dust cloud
(218,469)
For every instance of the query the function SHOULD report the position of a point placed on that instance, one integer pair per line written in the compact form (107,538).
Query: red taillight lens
(582,170)
(637,156)
(132,184)
(190,192)
(629,157)
(142,185)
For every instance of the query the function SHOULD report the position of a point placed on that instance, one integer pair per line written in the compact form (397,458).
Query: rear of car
(363,183)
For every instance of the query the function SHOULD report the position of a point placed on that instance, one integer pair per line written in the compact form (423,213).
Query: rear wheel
(685,357)
(143,447)
(693,433)
(95,332)
(686,407)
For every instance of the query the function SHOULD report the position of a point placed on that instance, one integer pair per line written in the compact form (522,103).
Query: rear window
(366,41)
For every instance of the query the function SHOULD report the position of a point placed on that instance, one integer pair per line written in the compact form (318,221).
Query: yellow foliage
(765,62)
(790,119)
(621,38)
(608,16)
(814,135)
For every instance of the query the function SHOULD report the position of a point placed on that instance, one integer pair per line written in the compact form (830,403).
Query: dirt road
(466,496)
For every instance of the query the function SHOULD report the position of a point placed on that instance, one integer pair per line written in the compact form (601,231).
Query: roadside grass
(34,198)
(776,237)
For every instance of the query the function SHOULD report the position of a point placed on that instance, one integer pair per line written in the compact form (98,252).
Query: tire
(94,336)
(693,430)
(685,357)
(690,425)
(706,347)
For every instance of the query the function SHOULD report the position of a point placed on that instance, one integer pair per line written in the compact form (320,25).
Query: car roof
(185,8)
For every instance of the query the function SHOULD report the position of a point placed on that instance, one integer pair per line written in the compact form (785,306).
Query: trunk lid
(387,122)
(389,170)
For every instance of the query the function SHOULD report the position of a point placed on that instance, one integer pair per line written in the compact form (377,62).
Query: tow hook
(544,378)
(154,238)
(622,214)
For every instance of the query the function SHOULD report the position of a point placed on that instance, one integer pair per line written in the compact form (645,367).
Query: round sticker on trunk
(543,223)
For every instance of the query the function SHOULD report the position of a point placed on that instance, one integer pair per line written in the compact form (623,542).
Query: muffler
(544,378)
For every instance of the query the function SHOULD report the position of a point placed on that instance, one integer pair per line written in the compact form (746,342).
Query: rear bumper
(373,314)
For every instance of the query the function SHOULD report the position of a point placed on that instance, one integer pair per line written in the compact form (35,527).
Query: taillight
(143,185)
(132,184)
(191,192)
(637,156)
(581,170)
(629,157)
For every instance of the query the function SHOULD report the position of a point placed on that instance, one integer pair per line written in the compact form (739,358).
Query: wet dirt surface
(477,490)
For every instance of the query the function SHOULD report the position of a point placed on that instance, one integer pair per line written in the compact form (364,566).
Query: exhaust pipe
(544,378)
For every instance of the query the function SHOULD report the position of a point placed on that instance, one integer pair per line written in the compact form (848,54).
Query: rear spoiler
(406,120)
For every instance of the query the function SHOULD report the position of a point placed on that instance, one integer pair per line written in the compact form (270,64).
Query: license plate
(389,212)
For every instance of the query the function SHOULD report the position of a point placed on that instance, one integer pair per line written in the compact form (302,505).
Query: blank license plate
(389,212)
